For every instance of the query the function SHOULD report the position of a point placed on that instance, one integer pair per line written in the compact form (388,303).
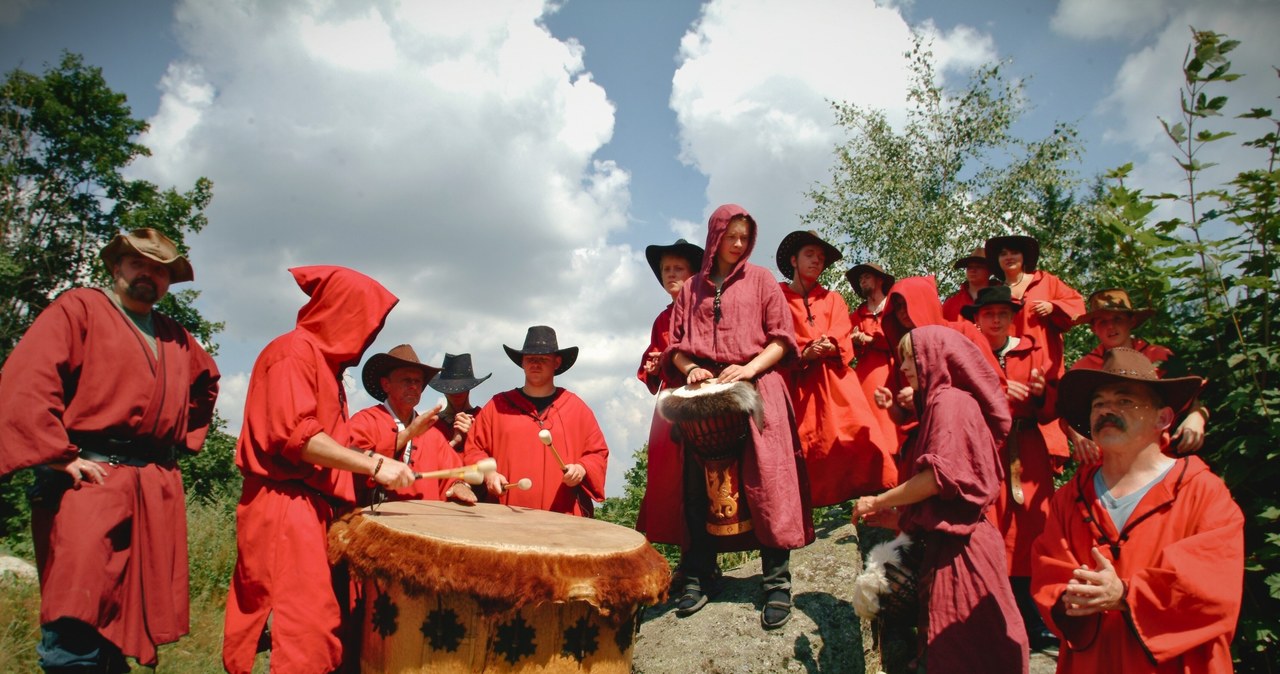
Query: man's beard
(143,290)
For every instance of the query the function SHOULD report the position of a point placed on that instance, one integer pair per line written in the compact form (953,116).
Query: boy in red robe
(844,450)
(977,276)
(103,393)
(509,426)
(1141,565)
(870,282)
(292,451)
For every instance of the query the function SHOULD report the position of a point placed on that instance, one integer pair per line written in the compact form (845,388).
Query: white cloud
(1095,19)
(11,11)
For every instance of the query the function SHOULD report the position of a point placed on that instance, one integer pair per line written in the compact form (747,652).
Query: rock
(20,569)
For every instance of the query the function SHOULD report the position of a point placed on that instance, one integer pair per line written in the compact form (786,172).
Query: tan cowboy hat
(1113,299)
(1075,390)
(979,256)
(381,364)
(860,269)
(150,244)
(793,242)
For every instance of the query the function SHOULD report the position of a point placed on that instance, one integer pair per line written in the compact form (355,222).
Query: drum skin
(452,588)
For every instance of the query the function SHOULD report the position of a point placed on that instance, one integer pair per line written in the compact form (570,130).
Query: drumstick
(525,484)
(545,436)
(482,467)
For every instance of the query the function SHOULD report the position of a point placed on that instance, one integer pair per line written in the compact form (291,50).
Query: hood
(946,359)
(346,311)
(923,306)
(716,227)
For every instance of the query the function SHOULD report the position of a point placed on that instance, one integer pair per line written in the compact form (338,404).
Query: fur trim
(711,399)
(873,582)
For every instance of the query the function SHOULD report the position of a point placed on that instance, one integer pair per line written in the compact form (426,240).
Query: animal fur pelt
(873,582)
(711,399)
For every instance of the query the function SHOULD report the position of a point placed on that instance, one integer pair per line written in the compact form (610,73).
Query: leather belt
(127,458)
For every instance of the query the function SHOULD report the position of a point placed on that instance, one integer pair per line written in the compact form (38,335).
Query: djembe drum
(713,421)
(451,588)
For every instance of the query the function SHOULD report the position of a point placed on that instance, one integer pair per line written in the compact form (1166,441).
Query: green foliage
(211,475)
(1213,272)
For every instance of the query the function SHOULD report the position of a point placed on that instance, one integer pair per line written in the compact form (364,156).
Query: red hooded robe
(753,312)
(296,392)
(661,516)
(84,368)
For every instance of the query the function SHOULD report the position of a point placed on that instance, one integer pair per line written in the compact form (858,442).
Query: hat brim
(852,277)
(180,270)
(568,356)
(691,252)
(970,311)
(454,386)
(1140,316)
(970,259)
(791,245)
(380,364)
(1075,393)
(1028,245)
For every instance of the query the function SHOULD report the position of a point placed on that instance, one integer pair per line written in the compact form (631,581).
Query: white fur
(873,582)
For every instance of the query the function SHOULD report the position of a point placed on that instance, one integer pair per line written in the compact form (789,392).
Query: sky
(503,164)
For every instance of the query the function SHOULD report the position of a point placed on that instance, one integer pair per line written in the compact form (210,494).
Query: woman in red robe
(845,452)
(969,621)
(1051,305)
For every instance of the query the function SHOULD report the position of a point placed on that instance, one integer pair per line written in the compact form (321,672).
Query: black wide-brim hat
(860,269)
(681,248)
(380,364)
(456,375)
(989,296)
(1028,245)
(791,245)
(541,341)
(1121,364)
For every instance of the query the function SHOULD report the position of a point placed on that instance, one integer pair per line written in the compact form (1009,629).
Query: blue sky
(503,164)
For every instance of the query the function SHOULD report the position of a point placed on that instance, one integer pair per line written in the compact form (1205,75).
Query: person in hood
(952,471)
(731,322)
(297,466)
(1141,564)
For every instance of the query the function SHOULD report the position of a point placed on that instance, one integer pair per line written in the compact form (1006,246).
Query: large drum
(713,421)
(494,588)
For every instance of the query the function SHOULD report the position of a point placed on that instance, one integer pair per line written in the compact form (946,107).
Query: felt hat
(978,256)
(989,296)
(1028,246)
(1112,299)
(380,364)
(1121,364)
(793,242)
(456,375)
(860,269)
(151,244)
(681,248)
(541,341)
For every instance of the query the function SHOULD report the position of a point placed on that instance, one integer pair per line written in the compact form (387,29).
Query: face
(140,278)
(977,274)
(868,283)
(675,271)
(1113,328)
(900,313)
(908,356)
(1010,261)
(734,243)
(404,386)
(459,401)
(994,320)
(1126,414)
(541,369)
(809,262)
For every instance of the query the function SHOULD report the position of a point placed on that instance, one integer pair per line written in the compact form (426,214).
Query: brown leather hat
(151,244)
(1075,390)
(978,256)
(380,364)
(860,269)
(1112,299)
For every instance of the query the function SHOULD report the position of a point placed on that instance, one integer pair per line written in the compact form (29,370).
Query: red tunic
(874,369)
(295,392)
(970,621)
(1158,355)
(1047,330)
(507,430)
(661,516)
(845,451)
(374,428)
(753,313)
(958,300)
(83,367)
(1182,554)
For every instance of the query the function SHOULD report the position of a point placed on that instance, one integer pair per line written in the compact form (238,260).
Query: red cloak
(1158,355)
(374,428)
(507,430)
(83,367)
(295,392)
(1182,555)
(958,300)
(1047,330)
(753,313)
(845,452)
(874,369)
(661,516)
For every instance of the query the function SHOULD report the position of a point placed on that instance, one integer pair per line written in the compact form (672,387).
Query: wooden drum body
(493,588)
(714,424)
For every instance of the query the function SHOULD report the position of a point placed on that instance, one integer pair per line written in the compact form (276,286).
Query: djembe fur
(887,588)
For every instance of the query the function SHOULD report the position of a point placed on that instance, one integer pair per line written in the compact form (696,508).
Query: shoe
(777,609)
(1045,642)
(693,598)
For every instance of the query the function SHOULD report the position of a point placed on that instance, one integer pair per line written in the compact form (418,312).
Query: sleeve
(775,316)
(680,312)
(594,454)
(653,380)
(480,440)
(1067,303)
(1053,564)
(841,329)
(288,407)
(202,396)
(368,432)
(433,452)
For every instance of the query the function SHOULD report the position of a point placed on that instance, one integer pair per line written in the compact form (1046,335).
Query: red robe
(661,516)
(295,392)
(374,428)
(507,430)
(845,451)
(958,300)
(83,367)
(874,369)
(1182,554)
(753,313)
(970,621)
(1158,355)
(1047,330)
